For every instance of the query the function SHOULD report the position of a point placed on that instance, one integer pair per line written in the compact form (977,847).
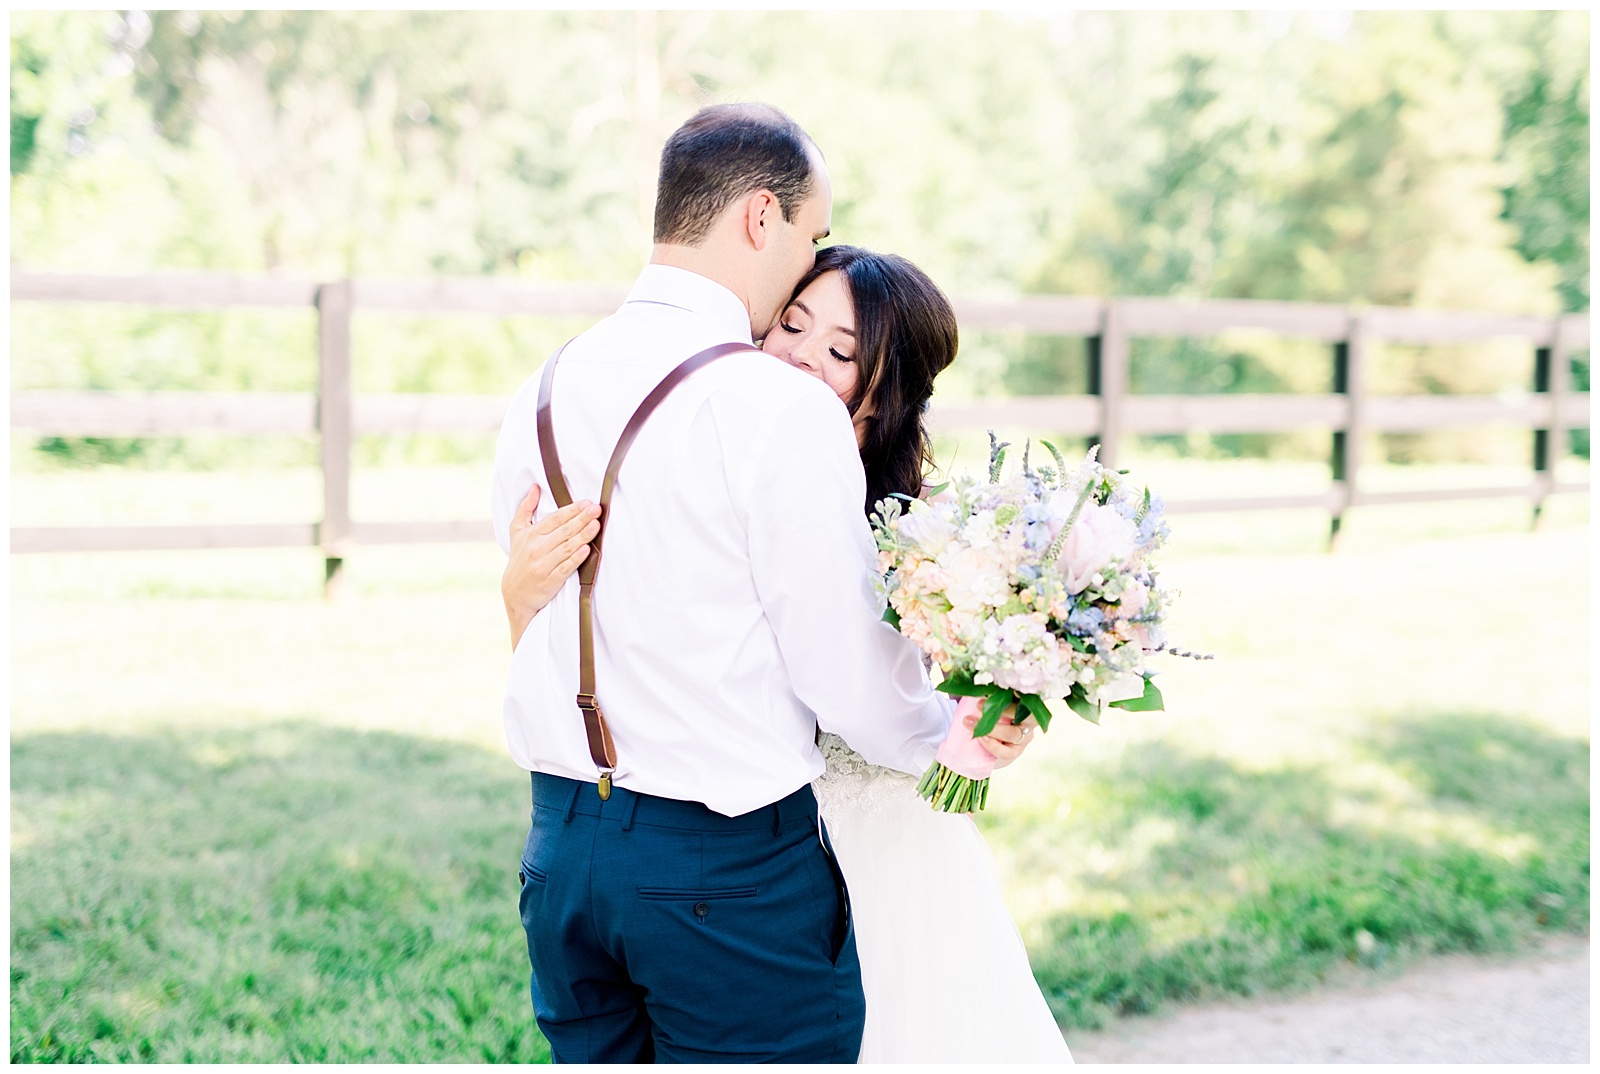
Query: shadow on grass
(1469,833)
(299,893)
(287,893)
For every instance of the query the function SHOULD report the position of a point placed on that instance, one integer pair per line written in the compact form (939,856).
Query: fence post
(1108,378)
(1349,380)
(1549,443)
(334,426)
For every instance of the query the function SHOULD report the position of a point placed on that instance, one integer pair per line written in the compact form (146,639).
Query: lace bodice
(850,782)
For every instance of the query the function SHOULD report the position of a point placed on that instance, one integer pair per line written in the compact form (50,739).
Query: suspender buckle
(587,702)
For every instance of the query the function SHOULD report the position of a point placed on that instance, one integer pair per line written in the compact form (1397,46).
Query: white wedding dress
(942,963)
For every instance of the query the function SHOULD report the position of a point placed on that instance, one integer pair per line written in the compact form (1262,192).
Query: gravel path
(1460,1009)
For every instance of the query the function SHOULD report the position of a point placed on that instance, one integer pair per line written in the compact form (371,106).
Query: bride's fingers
(1002,750)
(565,521)
(564,558)
(558,555)
(575,537)
(523,517)
(575,560)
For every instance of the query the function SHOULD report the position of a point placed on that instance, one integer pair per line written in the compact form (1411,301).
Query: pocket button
(701,909)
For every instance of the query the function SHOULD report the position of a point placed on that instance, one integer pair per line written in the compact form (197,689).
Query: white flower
(978,579)
(1018,653)
(929,529)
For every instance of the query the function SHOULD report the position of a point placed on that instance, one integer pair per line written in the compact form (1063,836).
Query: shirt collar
(700,295)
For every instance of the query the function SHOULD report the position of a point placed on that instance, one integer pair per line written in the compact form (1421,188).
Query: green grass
(248,825)
(284,892)
(1253,881)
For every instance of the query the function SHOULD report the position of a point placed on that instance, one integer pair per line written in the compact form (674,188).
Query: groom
(696,914)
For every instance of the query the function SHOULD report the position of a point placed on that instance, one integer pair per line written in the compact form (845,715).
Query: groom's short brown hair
(723,153)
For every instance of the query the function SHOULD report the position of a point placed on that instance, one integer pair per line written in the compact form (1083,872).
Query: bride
(943,967)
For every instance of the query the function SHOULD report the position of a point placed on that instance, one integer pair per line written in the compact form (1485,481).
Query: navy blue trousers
(662,931)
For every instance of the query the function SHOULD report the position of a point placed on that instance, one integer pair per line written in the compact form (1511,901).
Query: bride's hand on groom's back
(1007,740)
(543,555)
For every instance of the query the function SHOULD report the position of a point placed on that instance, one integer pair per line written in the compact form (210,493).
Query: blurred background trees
(1432,158)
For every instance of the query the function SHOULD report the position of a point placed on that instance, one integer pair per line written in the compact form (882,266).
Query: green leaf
(929,494)
(1035,704)
(960,684)
(1150,702)
(891,617)
(1076,642)
(1080,704)
(993,708)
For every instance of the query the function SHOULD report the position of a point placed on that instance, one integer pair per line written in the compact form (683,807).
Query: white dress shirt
(734,610)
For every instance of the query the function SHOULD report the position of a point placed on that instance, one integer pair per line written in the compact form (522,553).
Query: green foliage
(994,707)
(1037,709)
(1149,701)
(1580,383)
(1207,154)
(1410,158)
(960,684)
(1078,702)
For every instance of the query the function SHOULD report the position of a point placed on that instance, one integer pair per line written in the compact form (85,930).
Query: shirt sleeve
(812,556)
(516,465)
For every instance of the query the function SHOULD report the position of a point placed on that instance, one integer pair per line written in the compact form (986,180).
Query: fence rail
(1107,412)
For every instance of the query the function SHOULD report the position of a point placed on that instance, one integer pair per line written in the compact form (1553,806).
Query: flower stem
(950,792)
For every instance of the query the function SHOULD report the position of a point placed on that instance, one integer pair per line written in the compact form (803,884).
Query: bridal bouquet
(1034,588)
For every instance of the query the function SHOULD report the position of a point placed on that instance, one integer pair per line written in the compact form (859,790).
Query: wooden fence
(1107,412)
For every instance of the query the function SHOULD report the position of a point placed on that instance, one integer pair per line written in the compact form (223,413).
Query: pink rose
(1099,538)
(1135,595)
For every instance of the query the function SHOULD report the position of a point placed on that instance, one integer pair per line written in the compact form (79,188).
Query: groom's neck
(708,261)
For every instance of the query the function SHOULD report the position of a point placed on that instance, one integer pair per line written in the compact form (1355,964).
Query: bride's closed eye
(841,357)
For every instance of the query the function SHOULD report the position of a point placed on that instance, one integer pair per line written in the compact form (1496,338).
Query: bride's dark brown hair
(905,336)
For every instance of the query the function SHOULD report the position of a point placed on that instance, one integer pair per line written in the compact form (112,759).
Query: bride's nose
(805,357)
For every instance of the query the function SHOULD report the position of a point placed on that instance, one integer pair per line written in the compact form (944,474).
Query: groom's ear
(761,214)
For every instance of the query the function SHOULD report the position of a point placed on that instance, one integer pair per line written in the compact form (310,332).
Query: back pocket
(673,894)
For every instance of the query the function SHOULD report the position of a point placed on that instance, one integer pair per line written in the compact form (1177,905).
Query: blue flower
(1085,621)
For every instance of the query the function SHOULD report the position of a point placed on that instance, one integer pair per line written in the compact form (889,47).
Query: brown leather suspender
(601,749)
